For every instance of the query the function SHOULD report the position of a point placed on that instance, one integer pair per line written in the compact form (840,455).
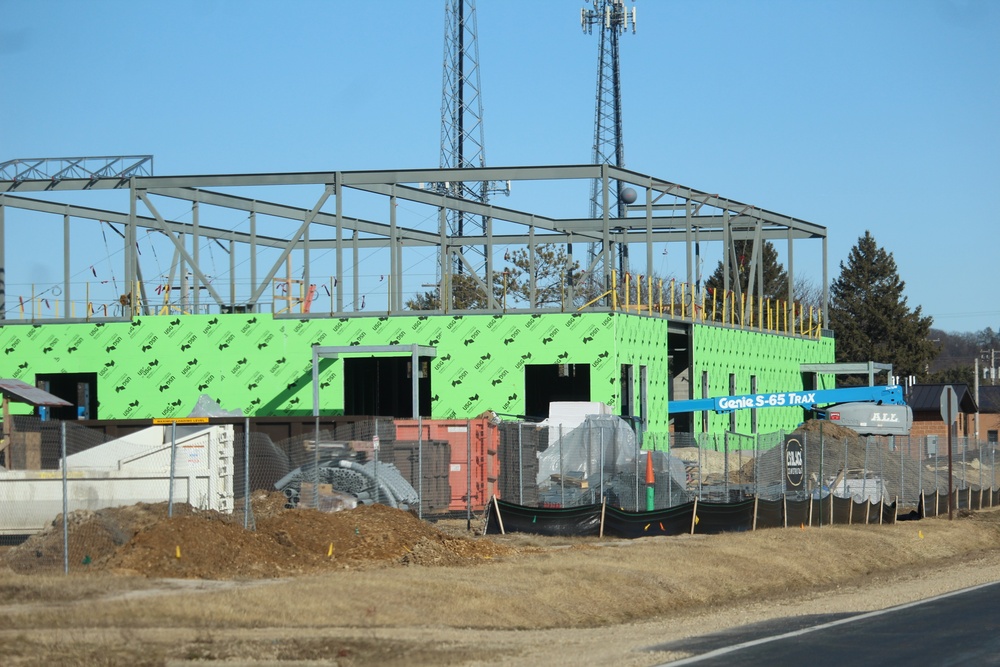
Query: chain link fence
(61,479)
(595,462)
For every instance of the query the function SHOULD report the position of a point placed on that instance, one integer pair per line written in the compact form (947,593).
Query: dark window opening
(544,384)
(704,394)
(644,397)
(732,392)
(382,387)
(79,389)
(683,384)
(627,391)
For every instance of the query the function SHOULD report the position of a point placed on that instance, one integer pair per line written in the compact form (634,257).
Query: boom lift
(878,410)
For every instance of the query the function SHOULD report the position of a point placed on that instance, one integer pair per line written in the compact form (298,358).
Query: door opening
(547,383)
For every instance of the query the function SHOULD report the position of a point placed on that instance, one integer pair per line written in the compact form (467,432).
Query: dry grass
(551,584)
(546,588)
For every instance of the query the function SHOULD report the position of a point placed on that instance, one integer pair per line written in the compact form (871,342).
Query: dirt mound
(93,536)
(208,545)
(829,429)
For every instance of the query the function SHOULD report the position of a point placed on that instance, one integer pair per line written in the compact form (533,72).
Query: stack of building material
(520,443)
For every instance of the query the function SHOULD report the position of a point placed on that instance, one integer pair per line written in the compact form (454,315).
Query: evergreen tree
(870,316)
(775,276)
(954,375)
(467,294)
(553,273)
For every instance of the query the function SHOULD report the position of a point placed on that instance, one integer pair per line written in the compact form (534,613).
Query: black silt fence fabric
(928,505)
(861,512)
(943,501)
(770,514)
(975,499)
(572,521)
(673,521)
(841,510)
(715,518)
(822,511)
(797,512)
(961,501)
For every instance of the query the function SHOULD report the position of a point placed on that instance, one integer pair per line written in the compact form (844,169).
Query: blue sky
(856,115)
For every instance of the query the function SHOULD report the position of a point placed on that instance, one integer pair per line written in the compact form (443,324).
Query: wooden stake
(604,502)
(8,427)
(694,515)
(496,508)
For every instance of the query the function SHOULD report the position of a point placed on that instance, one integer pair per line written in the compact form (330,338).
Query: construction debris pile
(141,539)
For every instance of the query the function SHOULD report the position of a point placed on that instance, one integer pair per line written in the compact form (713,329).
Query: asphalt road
(959,628)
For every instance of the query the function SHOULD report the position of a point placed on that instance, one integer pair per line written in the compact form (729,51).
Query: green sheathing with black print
(642,341)
(481,358)
(262,366)
(774,359)
(159,366)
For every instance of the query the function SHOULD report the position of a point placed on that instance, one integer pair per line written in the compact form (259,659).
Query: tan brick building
(929,426)
(989,414)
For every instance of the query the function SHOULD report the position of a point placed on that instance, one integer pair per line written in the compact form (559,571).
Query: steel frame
(691,216)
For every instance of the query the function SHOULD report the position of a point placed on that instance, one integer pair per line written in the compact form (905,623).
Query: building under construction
(344,292)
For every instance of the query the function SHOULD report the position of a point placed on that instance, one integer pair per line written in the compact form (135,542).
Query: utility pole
(975,393)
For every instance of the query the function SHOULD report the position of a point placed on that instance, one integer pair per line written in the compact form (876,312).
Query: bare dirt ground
(377,586)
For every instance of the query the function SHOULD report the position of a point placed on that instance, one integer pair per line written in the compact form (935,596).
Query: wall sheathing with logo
(261,365)
(775,361)
(642,344)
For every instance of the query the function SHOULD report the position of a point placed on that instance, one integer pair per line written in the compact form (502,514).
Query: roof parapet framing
(56,169)
(689,216)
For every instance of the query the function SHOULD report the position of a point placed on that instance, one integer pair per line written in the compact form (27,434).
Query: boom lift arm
(879,395)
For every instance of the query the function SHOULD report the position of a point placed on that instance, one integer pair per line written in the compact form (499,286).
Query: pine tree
(467,294)
(870,317)
(552,272)
(775,276)
(775,287)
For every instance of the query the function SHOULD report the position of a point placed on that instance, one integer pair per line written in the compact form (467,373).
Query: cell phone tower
(612,19)
(462,135)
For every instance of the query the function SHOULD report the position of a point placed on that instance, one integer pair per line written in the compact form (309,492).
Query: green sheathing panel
(642,341)
(775,361)
(159,366)
(481,358)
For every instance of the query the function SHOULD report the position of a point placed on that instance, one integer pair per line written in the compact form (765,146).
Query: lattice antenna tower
(462,135)
(611,18)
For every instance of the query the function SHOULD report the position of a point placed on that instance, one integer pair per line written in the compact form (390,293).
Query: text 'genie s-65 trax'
(878,410)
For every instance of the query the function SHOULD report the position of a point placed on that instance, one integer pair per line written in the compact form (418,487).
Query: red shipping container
(477,437)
